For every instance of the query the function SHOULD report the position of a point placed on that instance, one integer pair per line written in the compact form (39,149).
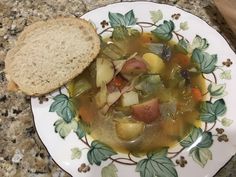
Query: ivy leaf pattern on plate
(156,164)
(201,155)
(205,61)
(211,111)
(197,138)
(156,16)
(109,171)
(226,122)
(64,128)
(99,152)
(164,31)
(75,153)
(217,90)
(63,106)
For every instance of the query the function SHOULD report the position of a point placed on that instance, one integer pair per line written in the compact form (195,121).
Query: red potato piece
(117,83)
(134,66)
(146,112)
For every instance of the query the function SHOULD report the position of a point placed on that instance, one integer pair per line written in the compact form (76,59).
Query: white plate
(203,161)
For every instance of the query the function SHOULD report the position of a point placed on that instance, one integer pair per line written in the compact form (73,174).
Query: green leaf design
(201,139)
(64,128)
(205,61)
(217,90)
(109,171)
(82,129)
(226,75)
(164,31)
(75,153)
(210,111)
(99,152)
(206,140)
(120,33)
(63,106)
(156,16)
(201,155)
(184,25)
(199,43)
(130,18)
(117,19)
(183,44)
(156,164)
(226,122)
(191,138)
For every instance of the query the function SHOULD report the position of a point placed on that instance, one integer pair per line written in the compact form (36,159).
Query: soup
(139,95)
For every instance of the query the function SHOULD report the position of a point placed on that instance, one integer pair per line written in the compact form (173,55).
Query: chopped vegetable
(182,59)
(113,97)
(113,51)
(149,83)
(101,96)
(86,116)
(80,86)
(129,98)
(146,112)
(117,83)
(156,48)
(134,66)
(197,94)
(105,71)
(166,53)
(155,63)
(128,129)
(168,110)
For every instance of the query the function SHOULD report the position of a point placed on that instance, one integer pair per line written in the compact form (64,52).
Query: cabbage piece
(149,84)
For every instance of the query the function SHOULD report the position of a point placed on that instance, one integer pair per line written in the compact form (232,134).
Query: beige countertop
(21,152)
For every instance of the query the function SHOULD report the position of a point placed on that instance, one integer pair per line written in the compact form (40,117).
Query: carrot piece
(86,114)
(182,60)
(197,94)
(146,38)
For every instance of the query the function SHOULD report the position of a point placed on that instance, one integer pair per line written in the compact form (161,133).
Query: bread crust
(30,33)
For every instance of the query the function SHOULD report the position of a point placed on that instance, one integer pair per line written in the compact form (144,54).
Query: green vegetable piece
(210,111)
(64,107)
(205,61)
(164,31)
(156,164)
(99,152)
(120,33)
(80,86)
(149,83)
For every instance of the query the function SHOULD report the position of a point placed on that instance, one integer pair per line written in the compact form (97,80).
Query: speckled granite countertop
(21,152)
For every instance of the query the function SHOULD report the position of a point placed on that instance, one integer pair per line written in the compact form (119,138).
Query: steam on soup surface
(139,95)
